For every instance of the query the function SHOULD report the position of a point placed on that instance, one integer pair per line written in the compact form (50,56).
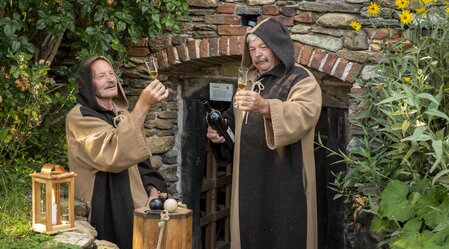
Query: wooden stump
(177,232)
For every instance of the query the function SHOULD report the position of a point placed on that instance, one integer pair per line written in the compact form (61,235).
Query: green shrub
(401,162)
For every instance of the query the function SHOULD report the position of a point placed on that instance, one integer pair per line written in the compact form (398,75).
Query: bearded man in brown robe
(273,190)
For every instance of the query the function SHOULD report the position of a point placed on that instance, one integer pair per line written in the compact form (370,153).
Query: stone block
(75,238)
(81,208)
(104,244)
(305,17)
(270,10)
(230,30)
(222,19)
(226,8)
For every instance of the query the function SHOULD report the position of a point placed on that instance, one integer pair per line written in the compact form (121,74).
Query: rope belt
(161,224)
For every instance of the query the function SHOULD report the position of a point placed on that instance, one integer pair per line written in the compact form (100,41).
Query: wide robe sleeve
(292,119)
(108,148)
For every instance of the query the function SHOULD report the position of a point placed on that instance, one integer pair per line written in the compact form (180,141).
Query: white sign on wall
(221,91)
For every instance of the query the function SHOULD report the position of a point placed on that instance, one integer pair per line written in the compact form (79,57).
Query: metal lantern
(53,199)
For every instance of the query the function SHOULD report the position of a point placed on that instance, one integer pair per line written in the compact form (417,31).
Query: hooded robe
(109,154)
(273,203)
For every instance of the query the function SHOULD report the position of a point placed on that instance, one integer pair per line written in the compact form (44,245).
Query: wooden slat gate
(215,204)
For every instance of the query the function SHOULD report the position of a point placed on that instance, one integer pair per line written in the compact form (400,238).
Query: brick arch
(316,58)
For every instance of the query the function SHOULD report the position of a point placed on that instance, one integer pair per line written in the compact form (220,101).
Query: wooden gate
(215,204)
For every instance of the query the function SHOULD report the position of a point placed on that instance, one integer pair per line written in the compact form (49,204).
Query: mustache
(261,59)
(111,84)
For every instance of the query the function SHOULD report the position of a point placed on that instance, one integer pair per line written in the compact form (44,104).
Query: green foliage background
(41,45)
(401,162)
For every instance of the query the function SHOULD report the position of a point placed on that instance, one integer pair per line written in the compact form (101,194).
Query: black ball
(156,204)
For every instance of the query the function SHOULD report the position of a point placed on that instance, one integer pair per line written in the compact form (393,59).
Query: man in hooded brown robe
(108,151)
(273,203)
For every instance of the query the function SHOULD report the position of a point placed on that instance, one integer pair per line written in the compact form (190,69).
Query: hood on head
(276,36)
(85,92)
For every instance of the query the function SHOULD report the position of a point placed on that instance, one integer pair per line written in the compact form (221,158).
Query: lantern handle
(48,169)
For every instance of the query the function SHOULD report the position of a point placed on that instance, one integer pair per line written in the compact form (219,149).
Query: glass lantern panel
(42,207)
(59,203)
(64,202)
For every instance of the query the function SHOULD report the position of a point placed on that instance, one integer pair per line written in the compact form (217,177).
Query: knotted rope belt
(161,225)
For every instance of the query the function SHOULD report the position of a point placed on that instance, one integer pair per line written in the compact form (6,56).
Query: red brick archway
(311,57)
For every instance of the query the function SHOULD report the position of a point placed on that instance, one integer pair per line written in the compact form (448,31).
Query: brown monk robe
(274,194)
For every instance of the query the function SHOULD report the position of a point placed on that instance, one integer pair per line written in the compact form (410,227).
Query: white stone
(104,244)
(85,227)
(260,2)
(75,238)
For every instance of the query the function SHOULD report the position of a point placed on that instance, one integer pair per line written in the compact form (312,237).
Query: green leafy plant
(401,162)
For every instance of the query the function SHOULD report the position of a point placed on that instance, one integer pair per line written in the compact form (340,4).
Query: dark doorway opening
(332,130)
(205,188)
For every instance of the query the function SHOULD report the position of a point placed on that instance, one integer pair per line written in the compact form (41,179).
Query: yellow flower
(447,10)
(373,9)
(407,79)
(424,2)
(356,25)
(421,10)
(406,17)
(402,4)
